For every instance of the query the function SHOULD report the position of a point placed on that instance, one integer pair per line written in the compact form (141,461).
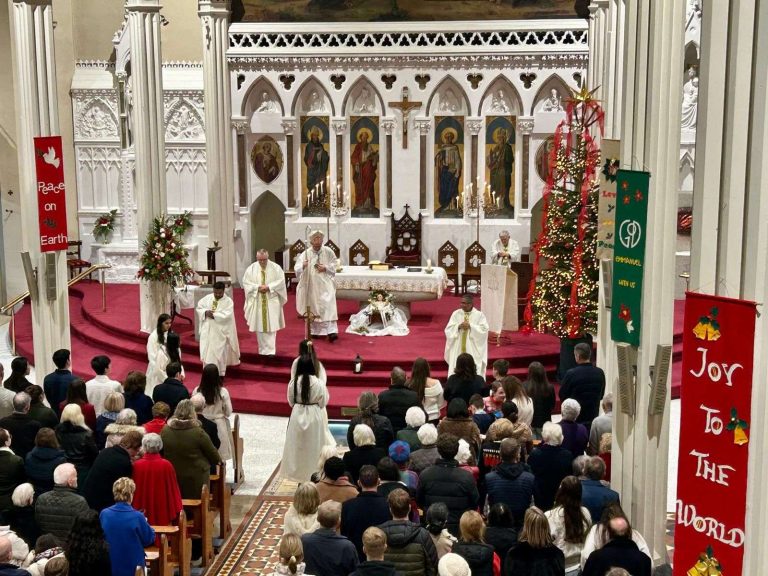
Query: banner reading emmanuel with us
(629,255)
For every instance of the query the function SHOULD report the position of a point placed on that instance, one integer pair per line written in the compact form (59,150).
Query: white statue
(553,103)
(314,102)
(690,100)
(364,102)
(268,105)
(449,102)
(499,103)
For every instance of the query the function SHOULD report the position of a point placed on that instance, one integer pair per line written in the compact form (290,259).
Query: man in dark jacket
(326,551)
(56,383)
(595,496)
(619,552)
(56,510)
(21,426)
(446,482)
(511,482)
(375,544)
(368,509)
(172,390)
(409,546)
(111,464)
(394,402)
(584,383)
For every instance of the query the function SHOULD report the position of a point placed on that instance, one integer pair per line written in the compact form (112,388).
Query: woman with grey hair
(368,406)
(550,463)
(126,420)
(365,451)
(415,418)
(22,516)
(575,435)
(157,490)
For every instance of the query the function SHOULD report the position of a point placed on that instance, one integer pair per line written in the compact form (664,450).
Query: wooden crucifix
(405,106)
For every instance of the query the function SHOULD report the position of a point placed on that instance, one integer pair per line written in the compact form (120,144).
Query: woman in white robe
(156,348)
(308,425)
(166,353)
(218,407)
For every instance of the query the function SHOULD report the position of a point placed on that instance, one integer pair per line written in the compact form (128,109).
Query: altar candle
(429,263)
(338,263)
(498,201)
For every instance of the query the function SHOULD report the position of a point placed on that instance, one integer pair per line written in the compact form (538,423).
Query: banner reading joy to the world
(716,392)
(51,194)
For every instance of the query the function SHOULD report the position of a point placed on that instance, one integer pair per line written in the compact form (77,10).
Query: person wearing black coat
(619,552)
(77,441)
(21,426)
(17,381)
(359,456)
(584,383)
(42,461)
(368,406)
(501,533)
(550,463)
(56,383)
(511,482)
(172,390)
(11,472)
(133,390)
(535,553)
(394,402)
(446,482)
(368,509)
(471,546)
(111,464)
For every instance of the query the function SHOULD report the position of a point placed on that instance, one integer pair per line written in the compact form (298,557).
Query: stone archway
(267,225)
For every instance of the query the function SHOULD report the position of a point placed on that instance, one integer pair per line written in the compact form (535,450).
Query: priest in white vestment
(265,296)
(504,250)
(315,268)
(218,332)
(467,332)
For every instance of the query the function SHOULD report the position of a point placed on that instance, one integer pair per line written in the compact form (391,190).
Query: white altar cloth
(356,282)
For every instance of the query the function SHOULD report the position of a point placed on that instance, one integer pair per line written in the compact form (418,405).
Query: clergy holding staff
(316,291)
(505,251)
(218,333)
(265,296)
(467,332)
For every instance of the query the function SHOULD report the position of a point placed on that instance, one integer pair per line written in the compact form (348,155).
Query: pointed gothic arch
(449,82)
(184,120)
(298,99)
(267,224)
(348,102)
(252,97)
(501,81)
(553,81)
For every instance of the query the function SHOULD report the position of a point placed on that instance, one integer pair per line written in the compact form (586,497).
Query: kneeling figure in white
(218,333)
(467,332)
(265,296)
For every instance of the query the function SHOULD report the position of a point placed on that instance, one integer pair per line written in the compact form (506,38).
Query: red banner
(715,412)
(51,194)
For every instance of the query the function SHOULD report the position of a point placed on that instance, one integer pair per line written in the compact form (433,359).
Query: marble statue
(268,105)
(449,102)
(553,103)
(690,100)
(314,102)
(364,102)
(499,103)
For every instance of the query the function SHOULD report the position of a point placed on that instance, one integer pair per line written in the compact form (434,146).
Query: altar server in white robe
(504,251)
(467,331)
(218,332)
(156,352)
(315,269)
(265,296)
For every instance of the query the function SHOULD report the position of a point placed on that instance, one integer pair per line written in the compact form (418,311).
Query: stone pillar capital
(339,125)
(525,124)
(220,8)
(423,125)
(142,5)
(289,125)
(240,124)
(474,125)
(387,123)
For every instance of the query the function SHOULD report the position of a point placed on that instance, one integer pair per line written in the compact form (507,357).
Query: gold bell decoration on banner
(707,327)
(706,566)
(738,427)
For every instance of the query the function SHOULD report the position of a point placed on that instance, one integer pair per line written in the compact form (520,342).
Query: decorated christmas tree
(563,294)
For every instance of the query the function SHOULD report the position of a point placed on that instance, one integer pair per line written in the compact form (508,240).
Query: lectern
(498,289)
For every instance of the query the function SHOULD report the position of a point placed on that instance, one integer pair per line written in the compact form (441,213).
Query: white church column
(598,42)
(730,236)
(214,18)
(34,75)
(149,138)
(650,136)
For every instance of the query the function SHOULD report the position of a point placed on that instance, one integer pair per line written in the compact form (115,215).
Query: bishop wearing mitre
(218,333)
(265,296)
(504,251)
(467,332)
(315,268)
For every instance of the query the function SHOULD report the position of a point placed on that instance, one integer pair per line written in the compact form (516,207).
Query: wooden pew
(200,524)
(157,560)
(179,544)
(237,455)
(221,495)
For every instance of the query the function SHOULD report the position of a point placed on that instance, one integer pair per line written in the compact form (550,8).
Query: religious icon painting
(542,158)
(449,166)
(315,181)
(364,166)
(499,193)
(267,159)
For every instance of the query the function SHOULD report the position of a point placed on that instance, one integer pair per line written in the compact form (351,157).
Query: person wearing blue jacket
(127,530)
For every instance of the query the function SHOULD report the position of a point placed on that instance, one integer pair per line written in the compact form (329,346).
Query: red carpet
(258,385)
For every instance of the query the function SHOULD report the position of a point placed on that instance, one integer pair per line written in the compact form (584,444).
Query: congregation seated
(126,422)
(87,551)
(549,463)
(436,520)
(76,394)
(374,547)
(326,551)
(335,485)
(575,435)
(459,423)
(409,546)
(111,464)
(365,451)
(160,413)
(56,383)
(113,404)
(427,455)
(465,381)
(596,495)
(368,508)
(43,459)
(20,425)
(101,385)
(501,532)
(57,509)
(76,439)
(511,482)
(17,381)
(21,517)
(301,516)
(368,414)
(535,553)
(134,388)
(157,490)
(38,411)
(172,390)
(397,399)
(472,546)
(11,471)
(415,418)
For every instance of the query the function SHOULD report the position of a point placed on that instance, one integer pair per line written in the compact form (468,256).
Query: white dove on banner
(50,157)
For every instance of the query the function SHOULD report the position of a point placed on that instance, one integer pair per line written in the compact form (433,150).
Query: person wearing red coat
(157,490)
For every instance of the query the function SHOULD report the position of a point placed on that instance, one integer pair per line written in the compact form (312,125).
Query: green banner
(629,255)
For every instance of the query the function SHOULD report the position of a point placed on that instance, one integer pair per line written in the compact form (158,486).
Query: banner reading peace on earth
(629,255)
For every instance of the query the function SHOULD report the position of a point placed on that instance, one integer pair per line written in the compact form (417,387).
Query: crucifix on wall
(405,106)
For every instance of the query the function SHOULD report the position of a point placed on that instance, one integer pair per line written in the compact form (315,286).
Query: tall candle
(429,263)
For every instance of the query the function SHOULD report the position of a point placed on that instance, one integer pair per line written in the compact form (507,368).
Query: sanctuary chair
(332,245)
(75,262)
(359,254)
(405,245)
(293,252)
(474,257)
(448,259)
(179,545)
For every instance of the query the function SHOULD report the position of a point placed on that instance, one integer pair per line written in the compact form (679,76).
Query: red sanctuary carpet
(258,384)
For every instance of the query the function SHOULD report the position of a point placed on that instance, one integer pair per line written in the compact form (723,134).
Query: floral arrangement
(104,226)
(165,258)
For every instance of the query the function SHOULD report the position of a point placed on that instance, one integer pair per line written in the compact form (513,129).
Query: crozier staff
(315,268)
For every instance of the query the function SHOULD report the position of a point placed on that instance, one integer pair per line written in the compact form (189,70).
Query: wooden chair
(237,456)
(474,257)
(293,252)
(75,262)
(179,544)
(157,560)
(359,254)
(448,259)
(332,245)
(221,496)
(200,525)
(405,244)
